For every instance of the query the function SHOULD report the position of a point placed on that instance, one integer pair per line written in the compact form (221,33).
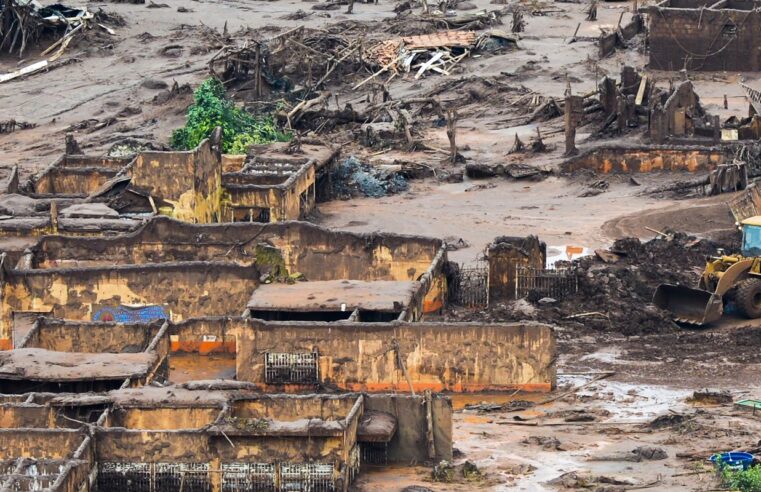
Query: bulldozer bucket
(686,305)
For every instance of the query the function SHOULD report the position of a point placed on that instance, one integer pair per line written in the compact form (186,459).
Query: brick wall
(679,34)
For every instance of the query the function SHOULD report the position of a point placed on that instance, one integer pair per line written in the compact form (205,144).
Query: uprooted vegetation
(26,26)
(212,109)
(364,58)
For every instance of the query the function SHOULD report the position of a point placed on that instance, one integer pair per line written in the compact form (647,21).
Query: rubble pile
(620,286)
(615,287)
(355,178)
(27,26)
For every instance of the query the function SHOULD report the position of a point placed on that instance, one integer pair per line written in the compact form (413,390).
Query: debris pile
(296,62)
(354,178)
(438,52)
(27,24)
(10,126)
(24,24)
(615,287)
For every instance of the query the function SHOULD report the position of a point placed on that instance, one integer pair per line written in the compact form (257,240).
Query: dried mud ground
(101,95)
(645,403)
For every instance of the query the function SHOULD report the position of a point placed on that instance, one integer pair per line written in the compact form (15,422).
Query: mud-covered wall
(122,445)
(289,200)
(189,289)
(163,418)
(320,254)
(191,182)
(74,175)
(709,39)
(294,408)
(105,162)
(203,335)
(505,254)
(92,337)
(438,356)
(21,415)
(71,181)
(610,159)
(315,252)
(232,163)
(165,175)
(410,443)
(39,443)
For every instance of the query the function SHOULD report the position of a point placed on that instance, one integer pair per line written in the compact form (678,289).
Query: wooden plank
(34,67)
(641,91)
(429,63)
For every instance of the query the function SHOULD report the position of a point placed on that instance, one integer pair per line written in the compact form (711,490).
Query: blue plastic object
(733,461)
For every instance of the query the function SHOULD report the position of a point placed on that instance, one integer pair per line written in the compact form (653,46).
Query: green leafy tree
(743,480)
(212,108)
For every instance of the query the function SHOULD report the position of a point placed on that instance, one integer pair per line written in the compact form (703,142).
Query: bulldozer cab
(751,243)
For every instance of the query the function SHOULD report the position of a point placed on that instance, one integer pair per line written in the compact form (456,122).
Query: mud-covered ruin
(704,35)
(407,247)
(92,326)
(212,437)
(77,193)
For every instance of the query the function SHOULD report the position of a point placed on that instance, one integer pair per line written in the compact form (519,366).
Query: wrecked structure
(273,186)
(506,255)
(202,437)
(609,41)
(202,185)
(91,326)
(679,135)
(704,35)
(243,282)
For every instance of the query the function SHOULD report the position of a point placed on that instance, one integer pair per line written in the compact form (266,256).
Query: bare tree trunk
(452,134)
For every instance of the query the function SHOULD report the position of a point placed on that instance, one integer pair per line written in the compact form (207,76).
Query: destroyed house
(213,436)
(274,186)
(293,357)
(301,307)
(269,185)
(705,35)
(680,134)
(175,270)
(75,176)
(301,356)
(56,356)
(84,195)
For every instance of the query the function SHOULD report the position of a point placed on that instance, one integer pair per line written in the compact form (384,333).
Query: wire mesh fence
(290,368)
(258,477)
(469,287)
(235,476)
(545,282)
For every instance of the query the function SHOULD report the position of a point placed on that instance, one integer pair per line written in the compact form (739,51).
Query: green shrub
(212,108)
(744,480)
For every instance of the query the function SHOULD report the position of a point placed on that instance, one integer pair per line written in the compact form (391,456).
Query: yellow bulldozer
(736,275)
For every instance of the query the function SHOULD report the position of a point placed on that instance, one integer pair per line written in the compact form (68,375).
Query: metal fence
(288,368)
(312,477)
(374,453)
(153,477)
(236,476)
(470,286)
(259,477)
(546,282)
